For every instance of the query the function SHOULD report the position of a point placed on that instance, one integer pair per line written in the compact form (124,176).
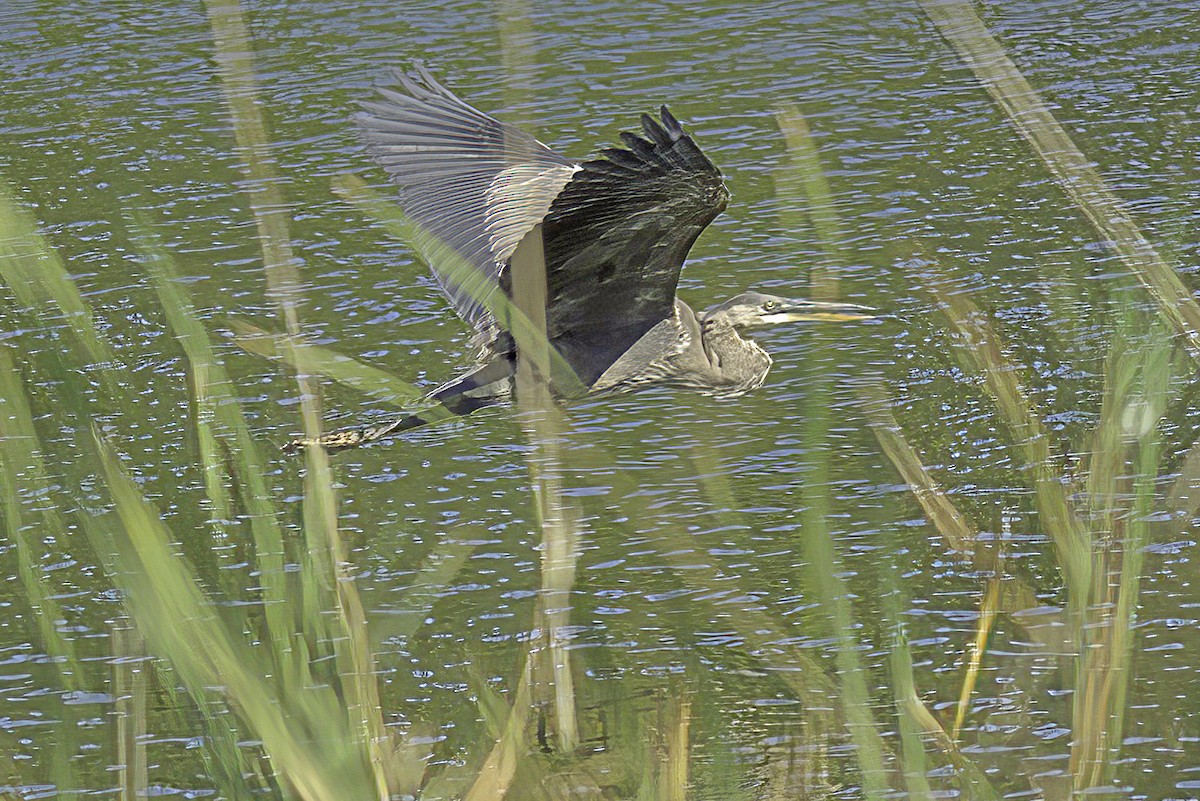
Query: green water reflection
(948,552)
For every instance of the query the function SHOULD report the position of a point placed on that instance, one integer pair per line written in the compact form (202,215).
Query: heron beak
(812,310)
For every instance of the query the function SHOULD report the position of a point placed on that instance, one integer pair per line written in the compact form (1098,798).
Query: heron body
(614,234)
(692,351)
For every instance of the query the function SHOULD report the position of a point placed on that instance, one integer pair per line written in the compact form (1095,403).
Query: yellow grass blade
(989,606)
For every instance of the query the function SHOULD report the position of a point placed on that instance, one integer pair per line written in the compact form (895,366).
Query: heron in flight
(614,233)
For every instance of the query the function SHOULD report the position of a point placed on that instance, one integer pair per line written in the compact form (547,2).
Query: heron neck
(738,363)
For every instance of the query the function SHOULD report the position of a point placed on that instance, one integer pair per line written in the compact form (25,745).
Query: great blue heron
(615,231)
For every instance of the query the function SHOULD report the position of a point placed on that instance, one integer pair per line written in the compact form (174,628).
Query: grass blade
(556,515)
(38,278)
(942,514)
(178,622)
(371,381)
(803,178)
(905,692)
(979,346)
(918,721)
(496,776)
(825,566)
(221,429)
(129,666)
(23,477)
(1135,403)
(989,607)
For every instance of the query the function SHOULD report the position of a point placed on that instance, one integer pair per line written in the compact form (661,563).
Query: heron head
(756,310)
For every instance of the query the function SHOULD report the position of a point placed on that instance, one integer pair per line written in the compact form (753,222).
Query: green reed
(804,173)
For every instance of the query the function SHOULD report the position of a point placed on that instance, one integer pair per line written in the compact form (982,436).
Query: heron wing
(616,237)
(650,359)
(473,185)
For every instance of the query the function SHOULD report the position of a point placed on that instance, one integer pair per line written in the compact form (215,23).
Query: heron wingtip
(670,122)
(656,132)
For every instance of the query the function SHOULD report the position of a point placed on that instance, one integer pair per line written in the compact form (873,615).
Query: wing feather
(455,167)
(616,237)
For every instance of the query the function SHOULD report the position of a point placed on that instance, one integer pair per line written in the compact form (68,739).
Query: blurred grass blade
(1110,447)
(942,514)
(178,622)
(1135,403)
(221,429)
(232,767)
(675,774)
(30,522)
(556,516)
(904,691)
(37,277)
(204,375)
(1129,589)
(324,555)
(129,665)
(920,721)
(25,485)
(803,178)
(416,601)
(978,345)
(234,53)
(715,481)
(957,21)
(518,37)
(371,381)
(233,50)
(496,776)
(915,719)
(824,564)
(524,317)
(325,561)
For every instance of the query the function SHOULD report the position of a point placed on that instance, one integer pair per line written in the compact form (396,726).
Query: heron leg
(489,384)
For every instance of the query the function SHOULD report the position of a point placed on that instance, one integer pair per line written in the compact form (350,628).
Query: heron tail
(488,385)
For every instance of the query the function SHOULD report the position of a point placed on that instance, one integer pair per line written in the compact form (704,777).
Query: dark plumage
(615,231)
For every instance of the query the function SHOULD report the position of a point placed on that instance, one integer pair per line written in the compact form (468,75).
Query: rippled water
(693,513)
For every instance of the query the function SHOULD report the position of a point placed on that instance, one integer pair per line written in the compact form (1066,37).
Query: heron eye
(770,304)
